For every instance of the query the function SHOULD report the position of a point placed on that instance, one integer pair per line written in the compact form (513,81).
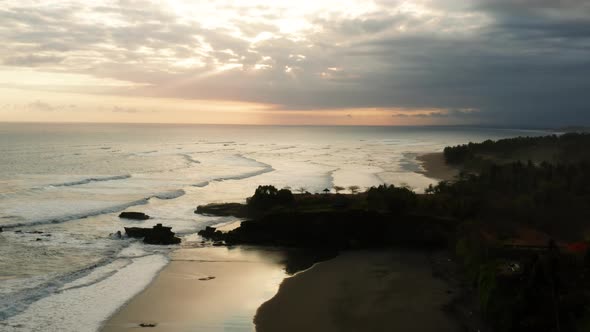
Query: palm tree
(326,191)
(354,189)
(338,189)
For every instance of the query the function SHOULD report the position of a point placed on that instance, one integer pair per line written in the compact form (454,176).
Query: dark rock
(38,239)
(225,209)
(147,325)
(206,278)
(0,229)
(18,231)
(137,232)
(134,215)
(156,235)
(212,234)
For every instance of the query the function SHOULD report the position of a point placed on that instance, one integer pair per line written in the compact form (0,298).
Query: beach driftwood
(156,235)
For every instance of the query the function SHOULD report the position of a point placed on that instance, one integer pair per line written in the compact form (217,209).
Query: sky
(319,62)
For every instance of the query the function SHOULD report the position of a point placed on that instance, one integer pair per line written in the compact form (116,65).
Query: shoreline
(435,167)
(194,291)
(141,308)
(103,324)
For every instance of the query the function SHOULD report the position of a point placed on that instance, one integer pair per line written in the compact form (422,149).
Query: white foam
(90,180)
(80,309)
(50,210)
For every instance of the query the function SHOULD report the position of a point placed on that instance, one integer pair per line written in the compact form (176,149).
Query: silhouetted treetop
(269,196)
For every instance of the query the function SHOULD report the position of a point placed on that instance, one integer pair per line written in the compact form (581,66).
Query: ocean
(63,185)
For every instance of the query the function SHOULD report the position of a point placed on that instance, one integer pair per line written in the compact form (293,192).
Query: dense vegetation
(508,190)
(540,185)
(571,147)
(380,217)
(553,198)
(266,197)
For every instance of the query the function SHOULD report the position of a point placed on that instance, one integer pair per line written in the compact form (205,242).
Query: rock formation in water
(134,215)
(156,235)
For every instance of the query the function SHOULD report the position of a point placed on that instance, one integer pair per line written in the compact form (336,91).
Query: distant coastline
(435,167)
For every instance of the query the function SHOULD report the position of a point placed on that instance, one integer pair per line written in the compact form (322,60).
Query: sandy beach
(357,291)
(435,167)
(204,289)
(361,291)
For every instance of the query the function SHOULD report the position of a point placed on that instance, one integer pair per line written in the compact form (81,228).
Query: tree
(338,189)
(354,189)
(391,198)
(302,190)
(268,196)
(285,196)
(326,191)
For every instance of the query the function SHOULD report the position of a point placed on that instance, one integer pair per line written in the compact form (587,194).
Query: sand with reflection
(184,298)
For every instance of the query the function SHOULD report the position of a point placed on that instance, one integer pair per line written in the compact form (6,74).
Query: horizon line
(480,125)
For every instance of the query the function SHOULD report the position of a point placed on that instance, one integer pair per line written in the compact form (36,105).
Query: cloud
(32,60)
(40,106)
(437,113)
(118,109)
(516,62)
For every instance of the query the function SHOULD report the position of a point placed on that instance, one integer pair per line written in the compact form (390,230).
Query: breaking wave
(112,209)
(90,180)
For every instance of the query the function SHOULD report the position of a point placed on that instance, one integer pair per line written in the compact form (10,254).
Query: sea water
(63,185)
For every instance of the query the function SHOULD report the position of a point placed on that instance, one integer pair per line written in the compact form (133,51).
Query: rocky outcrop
(352,229)
(156,235)
(212,234)
(224,209)
(134,215)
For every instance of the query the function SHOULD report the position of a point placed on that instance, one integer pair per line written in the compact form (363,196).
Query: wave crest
(90,180)
(112,209)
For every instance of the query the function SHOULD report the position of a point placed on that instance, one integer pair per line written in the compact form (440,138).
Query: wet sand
(361,291)
(220,289)
(204,289)
(435,167)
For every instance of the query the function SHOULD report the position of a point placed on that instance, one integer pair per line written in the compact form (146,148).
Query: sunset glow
(311,62)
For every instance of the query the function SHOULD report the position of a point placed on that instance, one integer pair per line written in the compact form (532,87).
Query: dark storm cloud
(516,62)
(450,113)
